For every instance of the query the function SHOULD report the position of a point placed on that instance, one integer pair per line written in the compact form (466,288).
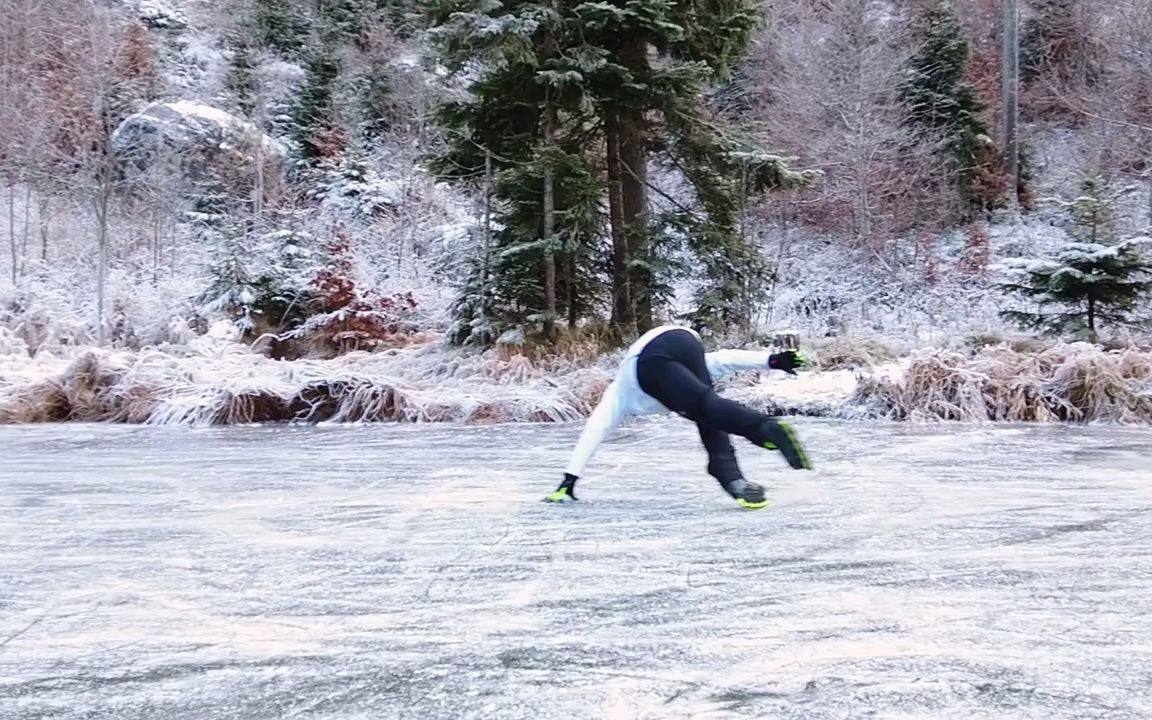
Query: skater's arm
(729,362)
(607,415)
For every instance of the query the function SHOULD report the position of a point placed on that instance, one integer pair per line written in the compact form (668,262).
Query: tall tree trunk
(27,232)
(549,122)
(633,149)
(744,312)
(1092,318)
(12,226)
(634,207)
(623,318)
(102,206)
(258,190)
(157,233)
(1010,73)
(487,258)
(44,221)
(571,298)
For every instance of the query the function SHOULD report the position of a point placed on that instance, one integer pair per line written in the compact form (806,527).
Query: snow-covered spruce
(1084,286)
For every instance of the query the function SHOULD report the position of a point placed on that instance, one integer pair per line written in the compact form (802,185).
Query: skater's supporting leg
(722,463)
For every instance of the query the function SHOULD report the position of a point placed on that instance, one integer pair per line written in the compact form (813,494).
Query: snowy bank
(215,382)
(220,384)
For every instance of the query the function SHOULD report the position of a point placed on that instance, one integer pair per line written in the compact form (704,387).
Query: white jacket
(624,398)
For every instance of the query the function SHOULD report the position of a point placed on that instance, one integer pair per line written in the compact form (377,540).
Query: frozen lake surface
(412,572)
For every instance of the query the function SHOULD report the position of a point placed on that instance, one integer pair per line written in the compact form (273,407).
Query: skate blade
(749,505)
(559,496)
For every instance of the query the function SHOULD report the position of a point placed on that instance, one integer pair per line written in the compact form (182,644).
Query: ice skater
(668,370)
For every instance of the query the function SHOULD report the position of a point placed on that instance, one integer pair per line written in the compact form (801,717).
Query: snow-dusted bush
(352,189)
(262,283)
(851,353)
(161,15)
(1077,382)
(347,316)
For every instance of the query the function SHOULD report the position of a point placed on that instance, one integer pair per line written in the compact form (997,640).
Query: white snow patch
(816,393)
(206,112)
(161,14)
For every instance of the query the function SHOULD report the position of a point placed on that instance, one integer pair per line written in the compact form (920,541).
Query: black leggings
(671,368)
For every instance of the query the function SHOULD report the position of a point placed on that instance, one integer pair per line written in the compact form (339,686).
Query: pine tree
(241,79)
(352,187)
(315,125)
(942,105)
(1084,285)
(586,65)
(628,89)
(350,20)
(377,99)
(509,290)
(736,276)
(261,283)
(1092,279)
(279,26)
(403,16)
(1056,43)
(319,126)
(1093,212)
(502,126)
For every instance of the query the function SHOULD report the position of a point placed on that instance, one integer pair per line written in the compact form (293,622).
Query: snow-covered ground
(392,571)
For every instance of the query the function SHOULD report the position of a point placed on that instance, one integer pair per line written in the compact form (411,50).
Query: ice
(395,571)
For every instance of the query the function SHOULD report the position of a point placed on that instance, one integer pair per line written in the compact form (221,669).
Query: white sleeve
(730,362)
(606,417)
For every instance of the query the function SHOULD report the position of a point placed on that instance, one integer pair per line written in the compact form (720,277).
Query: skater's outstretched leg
(778,435)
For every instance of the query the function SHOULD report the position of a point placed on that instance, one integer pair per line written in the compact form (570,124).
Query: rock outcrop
(195,148)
